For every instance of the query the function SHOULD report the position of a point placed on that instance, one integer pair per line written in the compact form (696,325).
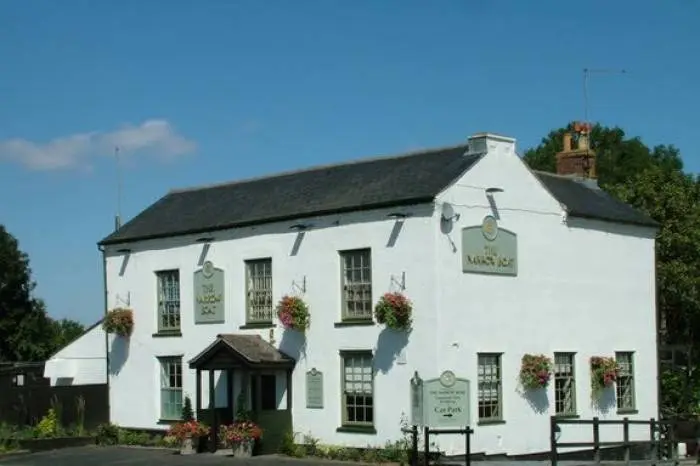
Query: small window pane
(358,394)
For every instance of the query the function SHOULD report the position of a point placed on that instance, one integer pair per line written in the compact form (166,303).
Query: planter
(189,445)
(243,449)
(43,444)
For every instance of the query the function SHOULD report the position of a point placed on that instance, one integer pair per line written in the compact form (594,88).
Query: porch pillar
(198,392)
(229,392)
(212,410)
(289,390)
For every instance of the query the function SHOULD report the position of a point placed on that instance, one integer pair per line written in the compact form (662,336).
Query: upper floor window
(259,291)
(357,284)
(168,300)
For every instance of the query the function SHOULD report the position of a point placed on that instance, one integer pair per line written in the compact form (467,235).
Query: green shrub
(48,426)
(107,434)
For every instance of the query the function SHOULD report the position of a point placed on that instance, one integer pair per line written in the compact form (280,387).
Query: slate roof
(251,348)
(583,200)
(346,187)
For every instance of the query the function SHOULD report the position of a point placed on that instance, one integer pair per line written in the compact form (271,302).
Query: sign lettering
(489,249)
(209,295)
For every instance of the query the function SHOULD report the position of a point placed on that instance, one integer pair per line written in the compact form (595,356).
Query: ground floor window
(564,384)
(170,387)
(489,389)
(625,381)
(358,388)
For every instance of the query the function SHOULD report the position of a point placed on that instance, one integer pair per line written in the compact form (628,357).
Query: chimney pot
(567,142)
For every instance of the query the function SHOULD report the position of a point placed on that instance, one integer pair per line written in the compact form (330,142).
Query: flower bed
(604,372)
(119,321)
(294,314)
(535,371)
(395,311)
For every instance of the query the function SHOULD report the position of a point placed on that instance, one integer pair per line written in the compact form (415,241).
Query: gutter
(106,310)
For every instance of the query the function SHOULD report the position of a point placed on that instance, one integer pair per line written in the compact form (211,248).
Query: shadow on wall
(538,399)
(605,401)
(389,345)
(293,344)
(118,354)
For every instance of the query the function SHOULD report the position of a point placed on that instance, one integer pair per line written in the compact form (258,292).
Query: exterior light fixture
(493,190)
(300,226)
(124,250)
(205,239)
(397,215)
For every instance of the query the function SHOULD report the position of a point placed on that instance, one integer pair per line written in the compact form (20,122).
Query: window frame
(164,365)
(630,377)
(368,316)
(571,361)
(162,303)
(345,423)
(499,390)
(249,289)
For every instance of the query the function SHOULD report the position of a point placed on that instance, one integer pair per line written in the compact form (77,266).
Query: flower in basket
(241,431)
(394,310)
(120,321)
(188,429)
(604,371)
(535,371)
(293,313)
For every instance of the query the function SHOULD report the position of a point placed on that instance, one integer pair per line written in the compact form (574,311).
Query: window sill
(357,429)
(491,422)
(627,411)
(567,416)
(257,325)
(354,323)
(167,334)
(167,421)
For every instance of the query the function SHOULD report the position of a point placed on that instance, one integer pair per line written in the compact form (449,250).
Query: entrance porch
(258,385)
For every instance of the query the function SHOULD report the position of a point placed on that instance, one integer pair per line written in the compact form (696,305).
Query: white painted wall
(81,362)
(582,286)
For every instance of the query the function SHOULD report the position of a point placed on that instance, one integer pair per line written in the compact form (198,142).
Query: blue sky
(198,92)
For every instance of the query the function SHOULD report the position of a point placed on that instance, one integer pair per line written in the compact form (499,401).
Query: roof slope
(354,186)
(360,185)
(583,200)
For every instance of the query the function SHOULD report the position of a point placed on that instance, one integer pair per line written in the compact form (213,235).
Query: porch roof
(239,350)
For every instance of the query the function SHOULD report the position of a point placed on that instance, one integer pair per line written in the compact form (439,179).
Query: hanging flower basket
(535,371)
(119,321)
(293,312)
(604,372)
(394,310)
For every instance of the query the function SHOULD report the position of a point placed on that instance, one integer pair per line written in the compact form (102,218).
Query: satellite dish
(448,212)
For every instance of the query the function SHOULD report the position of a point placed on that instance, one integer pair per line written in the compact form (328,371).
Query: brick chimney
(577,161)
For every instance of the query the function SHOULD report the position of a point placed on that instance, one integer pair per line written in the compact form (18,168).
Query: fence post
(553,440)
(467,445)
(653,451)
(414,445)
(626,438)
(426,446)
(596,440)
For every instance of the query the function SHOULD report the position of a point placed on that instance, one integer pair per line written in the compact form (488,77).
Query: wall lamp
(300,226)
(205,239)
(398,215)
(493,190)
(124,250)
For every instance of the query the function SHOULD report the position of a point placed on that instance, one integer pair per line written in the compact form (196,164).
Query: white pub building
(498,262)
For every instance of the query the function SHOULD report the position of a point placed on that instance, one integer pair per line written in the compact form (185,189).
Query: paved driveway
(124,456)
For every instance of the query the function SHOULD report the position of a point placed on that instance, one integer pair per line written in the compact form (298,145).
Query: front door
(270,410)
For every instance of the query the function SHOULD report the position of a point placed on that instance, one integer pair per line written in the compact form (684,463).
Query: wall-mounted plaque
(314,389)
(446,401)
(489,249)
(209,295)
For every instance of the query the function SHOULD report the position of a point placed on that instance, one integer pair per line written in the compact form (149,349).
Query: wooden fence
(27,405)
(659,446)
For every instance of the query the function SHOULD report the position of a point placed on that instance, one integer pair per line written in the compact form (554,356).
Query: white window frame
(356,284)
(366,390)
(168,385)
(565,374)
(169,305)
(489,384)
(624,386)
(259,305)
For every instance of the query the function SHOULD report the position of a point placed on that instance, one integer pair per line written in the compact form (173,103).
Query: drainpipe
(106,310)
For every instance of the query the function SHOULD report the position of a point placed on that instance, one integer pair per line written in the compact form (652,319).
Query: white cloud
(152,137)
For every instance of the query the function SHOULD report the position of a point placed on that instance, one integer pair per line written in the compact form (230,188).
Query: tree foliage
(653,180)
(27,333)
